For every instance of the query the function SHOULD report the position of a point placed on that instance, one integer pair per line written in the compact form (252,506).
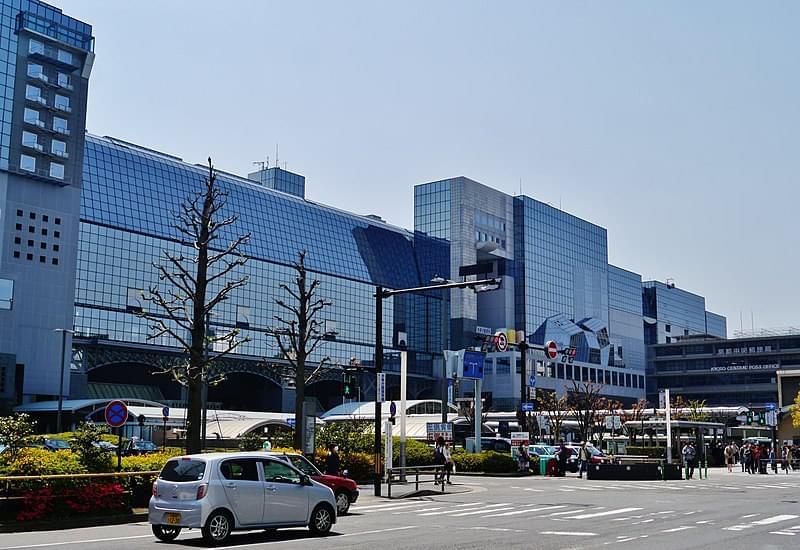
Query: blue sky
(673,124)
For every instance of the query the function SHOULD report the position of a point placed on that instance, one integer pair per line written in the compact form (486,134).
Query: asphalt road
(728,511)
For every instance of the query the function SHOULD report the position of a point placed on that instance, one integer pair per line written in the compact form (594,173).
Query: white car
(222,492)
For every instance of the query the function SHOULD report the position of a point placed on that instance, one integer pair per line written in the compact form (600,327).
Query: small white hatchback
(222,492)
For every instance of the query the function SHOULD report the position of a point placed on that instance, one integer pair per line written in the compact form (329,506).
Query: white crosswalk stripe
(525,511)
(606,513)
(766,521)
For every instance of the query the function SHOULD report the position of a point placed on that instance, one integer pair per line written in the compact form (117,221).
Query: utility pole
(63,332)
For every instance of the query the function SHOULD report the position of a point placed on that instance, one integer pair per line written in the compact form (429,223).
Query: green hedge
(650,452)
(489,462)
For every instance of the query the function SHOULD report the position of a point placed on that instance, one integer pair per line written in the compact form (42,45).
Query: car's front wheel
(167,533)
(218,527)
(321,520)
(342,503)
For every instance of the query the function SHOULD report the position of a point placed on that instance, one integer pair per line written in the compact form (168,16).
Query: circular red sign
(116,414)
(551,349)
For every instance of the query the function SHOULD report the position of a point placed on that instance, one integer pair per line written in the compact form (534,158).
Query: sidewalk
(366,492)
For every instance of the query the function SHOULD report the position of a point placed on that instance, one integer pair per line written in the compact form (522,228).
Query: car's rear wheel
(321,520)
(218,527)
(342,503)
(167,533)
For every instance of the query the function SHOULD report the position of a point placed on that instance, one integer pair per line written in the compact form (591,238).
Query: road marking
(642,521)
(450,510)
(563,513)
(416,511)
(527,511)
(788,533)
(568,533)
(750,516)
(501,529)
(606,513)
(676,529)
(535,490)
(406,528)
(775,519)
(703,522)
(497,508)
(89,541)
(581,488)
(375,507)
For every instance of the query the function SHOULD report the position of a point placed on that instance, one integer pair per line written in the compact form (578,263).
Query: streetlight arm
(386,293)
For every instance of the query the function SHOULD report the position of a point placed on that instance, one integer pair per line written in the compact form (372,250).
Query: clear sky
(673,124)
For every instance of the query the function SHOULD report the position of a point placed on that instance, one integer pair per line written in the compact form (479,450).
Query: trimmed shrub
(489,462)
(148,462)
(33,462)
(250,441)
(418,453)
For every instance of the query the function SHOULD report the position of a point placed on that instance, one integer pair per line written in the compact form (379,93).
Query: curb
(71,523)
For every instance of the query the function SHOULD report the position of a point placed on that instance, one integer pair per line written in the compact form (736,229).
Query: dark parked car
(496,444)
(56,445)
(138,447)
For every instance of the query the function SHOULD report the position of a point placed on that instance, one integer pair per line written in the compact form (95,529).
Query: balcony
(63,108)
(39,174)
(50,55)
(33,145)
(37,123)
(62,131)
(37,100)
(41,77)
(60,154)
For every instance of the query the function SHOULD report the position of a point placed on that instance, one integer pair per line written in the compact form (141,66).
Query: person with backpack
(689,455)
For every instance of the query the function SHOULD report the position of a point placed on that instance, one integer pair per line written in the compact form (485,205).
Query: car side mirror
(305,480)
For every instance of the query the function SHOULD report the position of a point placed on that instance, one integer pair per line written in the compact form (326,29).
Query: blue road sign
(527,407)
(532,381)
(771,406)
(473,364)
(116,414)
(392,409)
(290,421)
(165,412)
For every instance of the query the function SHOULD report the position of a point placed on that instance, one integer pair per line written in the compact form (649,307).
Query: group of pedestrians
(755,458)
(443,457)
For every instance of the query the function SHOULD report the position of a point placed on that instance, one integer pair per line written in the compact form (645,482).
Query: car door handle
(230,485)
(271,488)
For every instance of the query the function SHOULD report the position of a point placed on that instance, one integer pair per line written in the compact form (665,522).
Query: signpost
(527,407)
(501,341)
(439,429)
(381,387)
(116,415)
(473,368)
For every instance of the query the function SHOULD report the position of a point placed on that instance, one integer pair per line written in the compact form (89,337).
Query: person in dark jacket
(563,455)
(332,463)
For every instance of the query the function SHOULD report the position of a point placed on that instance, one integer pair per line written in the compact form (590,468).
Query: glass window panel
(27,162)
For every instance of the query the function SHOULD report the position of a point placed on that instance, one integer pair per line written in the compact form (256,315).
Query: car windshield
(183,469)
(58,443)
(304,465)
(145,445)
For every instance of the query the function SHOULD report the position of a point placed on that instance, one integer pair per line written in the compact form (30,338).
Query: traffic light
(749,417)
(349,386)
(761,419)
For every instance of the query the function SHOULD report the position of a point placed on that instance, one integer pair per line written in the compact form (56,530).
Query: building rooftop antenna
(277,160)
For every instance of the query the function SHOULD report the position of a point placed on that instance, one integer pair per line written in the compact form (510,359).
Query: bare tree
(556,408)
(586,400)
(300,334)
(697,411)
(636,414)
(195,281)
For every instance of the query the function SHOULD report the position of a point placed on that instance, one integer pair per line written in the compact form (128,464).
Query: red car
(344,489)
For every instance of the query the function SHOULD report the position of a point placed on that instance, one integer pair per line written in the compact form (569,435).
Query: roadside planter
(641,471)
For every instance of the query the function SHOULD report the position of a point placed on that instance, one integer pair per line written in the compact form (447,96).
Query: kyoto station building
(83,218)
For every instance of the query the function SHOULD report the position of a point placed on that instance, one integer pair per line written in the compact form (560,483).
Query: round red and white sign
(551,349)
(500,341)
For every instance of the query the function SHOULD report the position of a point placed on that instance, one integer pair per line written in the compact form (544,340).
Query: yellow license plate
(173,519)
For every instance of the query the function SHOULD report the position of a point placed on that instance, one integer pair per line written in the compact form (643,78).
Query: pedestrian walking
(583,457)
(730,456)
(742,457)
(332,462)
(785,458)
(448,462)
(523,459)
(439,461)
(563,455)
(772,462)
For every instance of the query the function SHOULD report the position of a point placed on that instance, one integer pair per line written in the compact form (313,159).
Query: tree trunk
(194,417)
(299,398)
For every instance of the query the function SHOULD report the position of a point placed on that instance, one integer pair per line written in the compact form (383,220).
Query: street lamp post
(63,332)
(380,294)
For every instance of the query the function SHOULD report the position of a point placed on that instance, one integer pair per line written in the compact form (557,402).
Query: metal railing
(395,475)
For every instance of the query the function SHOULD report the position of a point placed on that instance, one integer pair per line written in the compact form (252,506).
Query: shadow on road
(255,537)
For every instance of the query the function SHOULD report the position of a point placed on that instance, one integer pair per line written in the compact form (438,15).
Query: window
(19,213)
(6,293)
(62,103)
(33,93)
(55,248)
(34,46)
(54,261)
(58,147)
(183,470)
(668,328)
(302,464)
(242,469)
(64,81)
(64,56)
(43,246)
(30,242)
(60,125)
(58,221)
(44,231)
(45,218)
(56,234)
(29,139)
(42,259)
(56,170)
(17,240)
(28,163)
(278,472)
(36,71)
(31,116)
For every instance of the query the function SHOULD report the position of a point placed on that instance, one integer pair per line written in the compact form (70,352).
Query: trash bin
(543,465)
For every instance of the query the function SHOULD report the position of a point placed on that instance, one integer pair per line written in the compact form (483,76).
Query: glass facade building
(46,58)
(125,228)
(625,318)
